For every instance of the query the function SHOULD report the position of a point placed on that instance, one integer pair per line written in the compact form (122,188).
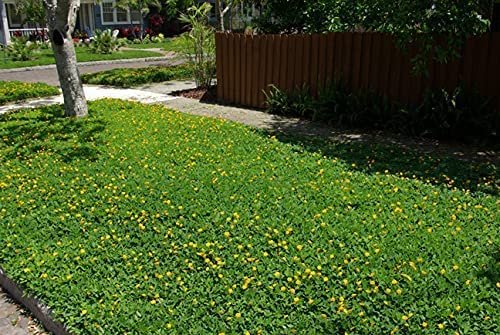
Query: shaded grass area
(15,91)
(143,220)
(128,77)
(83,54)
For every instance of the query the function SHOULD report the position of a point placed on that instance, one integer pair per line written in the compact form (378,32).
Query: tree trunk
(61,17)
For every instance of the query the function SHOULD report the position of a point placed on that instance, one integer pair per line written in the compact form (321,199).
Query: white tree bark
(61,19)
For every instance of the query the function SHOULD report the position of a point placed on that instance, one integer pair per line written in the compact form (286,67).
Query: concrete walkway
(15,321)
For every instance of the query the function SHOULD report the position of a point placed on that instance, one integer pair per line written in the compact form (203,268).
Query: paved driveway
(49,75)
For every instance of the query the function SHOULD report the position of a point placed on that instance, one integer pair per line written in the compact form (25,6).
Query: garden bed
(143,220)
(200,94)
(11,91)
(127,77)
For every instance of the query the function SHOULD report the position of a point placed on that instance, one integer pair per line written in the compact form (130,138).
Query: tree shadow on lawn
(406,157)
(24,134)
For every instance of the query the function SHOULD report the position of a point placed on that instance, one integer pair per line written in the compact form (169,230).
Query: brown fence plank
(339,46)
(231,80)
(493,73)
(243,68)
(283,64)
(330,59)
(225,68)
(299,62)
(395,75)
(292,58)
(347,58)
(385,62)
(416,80)
(374,63)
(262,70)
(237,69)
(270,66)
(357,41)
(323,40)
(313,79)
(276,60)
(249,70)
(220,63)
(366,57)
(405,78)
(307,59)
(481,60)
(255,88)
(468,62)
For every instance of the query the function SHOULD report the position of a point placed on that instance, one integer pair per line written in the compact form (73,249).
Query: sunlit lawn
(142,220)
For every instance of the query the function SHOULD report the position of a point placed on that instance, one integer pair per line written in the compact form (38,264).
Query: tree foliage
(411,21)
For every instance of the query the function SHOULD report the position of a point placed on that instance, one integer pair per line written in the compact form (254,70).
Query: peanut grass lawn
(11,91)
(141,220)
(83,54)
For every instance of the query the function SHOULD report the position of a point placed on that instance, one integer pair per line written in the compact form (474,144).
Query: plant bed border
(39,310)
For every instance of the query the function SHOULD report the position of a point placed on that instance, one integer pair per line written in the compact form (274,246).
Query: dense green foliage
(15,90)
(460,115)
(128,77)
(83,54)
(21,49)
(411,21)
(142,220)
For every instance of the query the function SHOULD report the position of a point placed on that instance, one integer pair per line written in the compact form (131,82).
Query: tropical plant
(105,43)
(200,44)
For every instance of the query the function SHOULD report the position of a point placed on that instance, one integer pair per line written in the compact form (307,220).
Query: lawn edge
(35,306)
(101,62)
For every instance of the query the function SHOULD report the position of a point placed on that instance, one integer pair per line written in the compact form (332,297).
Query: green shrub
(21,49)
(132,77)
(199,44)
(142,220)
(454,115)
(105,43)
(441,115)
(11,91)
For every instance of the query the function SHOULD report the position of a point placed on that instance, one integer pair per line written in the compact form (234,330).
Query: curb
(103,62)
(39,310)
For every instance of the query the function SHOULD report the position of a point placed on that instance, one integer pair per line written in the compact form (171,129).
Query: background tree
(61,19)
(419,22)
(143,6)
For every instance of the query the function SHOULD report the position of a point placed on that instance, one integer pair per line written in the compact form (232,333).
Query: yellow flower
(441,326)
(394,282)
(237,315)
(424,324)
(83,312)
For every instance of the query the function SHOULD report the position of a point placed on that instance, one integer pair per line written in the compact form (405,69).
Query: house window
(113,15)
(15,18)
(136,16)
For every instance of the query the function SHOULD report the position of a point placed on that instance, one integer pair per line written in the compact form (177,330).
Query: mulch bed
(201,94)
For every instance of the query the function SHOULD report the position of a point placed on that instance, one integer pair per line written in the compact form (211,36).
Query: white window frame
(115,15)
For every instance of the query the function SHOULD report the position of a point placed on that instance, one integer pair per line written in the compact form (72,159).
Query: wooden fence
(247,65)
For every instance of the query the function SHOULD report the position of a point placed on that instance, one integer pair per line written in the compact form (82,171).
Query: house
(92,15)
